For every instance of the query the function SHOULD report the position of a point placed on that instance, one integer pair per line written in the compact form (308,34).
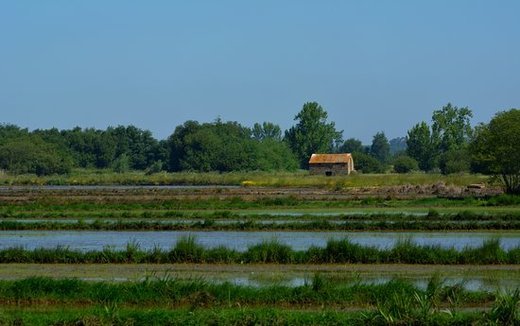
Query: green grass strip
(187,250)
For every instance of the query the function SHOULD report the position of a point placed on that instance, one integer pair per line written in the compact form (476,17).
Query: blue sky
(373,65)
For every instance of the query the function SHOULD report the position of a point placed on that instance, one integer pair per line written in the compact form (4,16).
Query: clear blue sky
(373,65)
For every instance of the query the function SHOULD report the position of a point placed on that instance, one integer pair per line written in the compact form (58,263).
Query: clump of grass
(271,251)
(489,253)
(187,250)
(503,200)
(505,310)
(345,251)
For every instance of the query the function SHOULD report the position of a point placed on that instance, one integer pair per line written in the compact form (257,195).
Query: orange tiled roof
(330,158)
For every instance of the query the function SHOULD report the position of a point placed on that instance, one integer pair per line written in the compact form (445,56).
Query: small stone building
(331,164)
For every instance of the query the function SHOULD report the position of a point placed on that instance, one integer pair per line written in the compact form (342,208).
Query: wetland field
(267,251)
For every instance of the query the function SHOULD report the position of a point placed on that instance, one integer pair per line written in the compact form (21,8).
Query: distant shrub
(156,167)
(121,164)
(405,164)
(455,161)
(367,164)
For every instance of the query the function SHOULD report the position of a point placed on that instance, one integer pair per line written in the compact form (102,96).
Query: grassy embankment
(251,225)
(187,250)
(271,179)
(194,210)
(198,302)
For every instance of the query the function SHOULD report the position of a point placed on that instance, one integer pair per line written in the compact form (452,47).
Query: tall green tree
(380,148)
(451,128)
(420,147)
(496,148)
(139,146)
(312,133)
(352,145)
(266,130)
(445,143)
(397,145)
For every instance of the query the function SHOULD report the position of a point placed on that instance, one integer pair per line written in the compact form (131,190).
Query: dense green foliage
(228,146)
(405,164)
(193,147)
(445,144)
(30,154)
(496,149)
(352,145)
(367,163)
(420,147)
(380,148)
(312,133)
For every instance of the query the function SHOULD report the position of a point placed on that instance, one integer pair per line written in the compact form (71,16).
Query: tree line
(449,144)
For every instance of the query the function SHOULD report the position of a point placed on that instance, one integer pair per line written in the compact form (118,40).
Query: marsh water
(241,240)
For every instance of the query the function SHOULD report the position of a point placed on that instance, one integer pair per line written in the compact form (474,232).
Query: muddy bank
(161,193)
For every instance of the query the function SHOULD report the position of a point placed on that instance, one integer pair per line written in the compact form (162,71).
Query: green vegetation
(148,203)
(231,147)
(199,302)
(405,164)
(312,133)
(446,145)
(227,147)
(496,149)
(170,292)
(380,148)
(267,193)
(260,179)
(336,251)
(209,224)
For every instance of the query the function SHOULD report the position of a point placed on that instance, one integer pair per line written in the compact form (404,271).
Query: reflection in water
(468,283)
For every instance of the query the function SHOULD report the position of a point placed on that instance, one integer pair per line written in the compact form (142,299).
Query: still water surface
(240,240)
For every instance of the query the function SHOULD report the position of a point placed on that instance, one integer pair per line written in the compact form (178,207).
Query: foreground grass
(187,250)
(114,315)
(168,301)
(271,179)
(170,292)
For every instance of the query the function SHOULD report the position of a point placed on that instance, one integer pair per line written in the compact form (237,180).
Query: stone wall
(329,169)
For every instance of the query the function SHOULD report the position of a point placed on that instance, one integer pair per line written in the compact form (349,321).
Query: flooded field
(240,240)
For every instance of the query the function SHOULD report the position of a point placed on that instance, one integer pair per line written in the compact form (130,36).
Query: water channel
(241,240)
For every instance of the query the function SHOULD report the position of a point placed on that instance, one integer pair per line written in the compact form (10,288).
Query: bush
(455,161)
(367,164)
(121,164)
(156,167)
(405,164)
